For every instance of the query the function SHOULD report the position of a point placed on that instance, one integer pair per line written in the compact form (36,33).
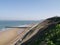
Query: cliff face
(48,35)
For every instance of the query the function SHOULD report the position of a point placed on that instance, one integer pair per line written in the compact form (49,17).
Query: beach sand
(9,35)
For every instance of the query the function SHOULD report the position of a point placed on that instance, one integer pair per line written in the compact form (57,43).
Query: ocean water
(3,24)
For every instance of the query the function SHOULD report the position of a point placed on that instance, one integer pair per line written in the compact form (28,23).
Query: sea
(4,23)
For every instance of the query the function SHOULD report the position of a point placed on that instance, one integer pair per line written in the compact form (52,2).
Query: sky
(28,9)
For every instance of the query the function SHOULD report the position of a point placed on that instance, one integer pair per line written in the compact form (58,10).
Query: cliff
(48,35)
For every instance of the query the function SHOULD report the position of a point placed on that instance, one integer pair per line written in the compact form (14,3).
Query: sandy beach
(8,35)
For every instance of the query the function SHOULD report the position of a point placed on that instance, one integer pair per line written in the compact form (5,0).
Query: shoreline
(8,35)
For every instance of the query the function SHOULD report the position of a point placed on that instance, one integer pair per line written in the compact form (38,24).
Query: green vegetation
(50,36)
(53,35)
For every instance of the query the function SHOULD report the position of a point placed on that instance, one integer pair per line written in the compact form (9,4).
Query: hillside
(48,35)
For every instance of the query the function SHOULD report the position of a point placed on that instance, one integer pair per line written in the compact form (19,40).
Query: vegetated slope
(50,35)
